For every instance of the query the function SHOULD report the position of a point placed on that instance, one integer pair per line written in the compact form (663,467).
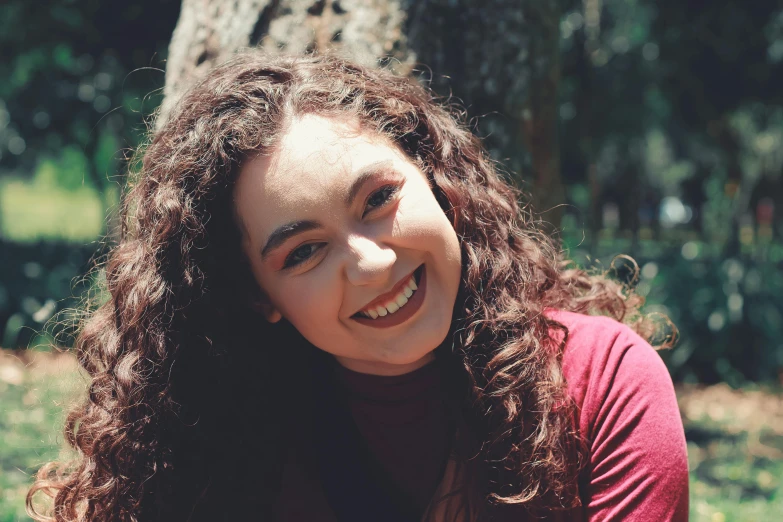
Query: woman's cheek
(415,220)
(313,296)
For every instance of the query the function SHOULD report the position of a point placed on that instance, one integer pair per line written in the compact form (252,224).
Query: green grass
(735,453)
(735,439)
(34,387)
(31,212)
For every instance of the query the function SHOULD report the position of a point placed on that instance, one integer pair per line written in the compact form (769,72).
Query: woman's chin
(398,364)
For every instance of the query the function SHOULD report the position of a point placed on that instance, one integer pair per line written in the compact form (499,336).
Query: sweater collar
(386,388)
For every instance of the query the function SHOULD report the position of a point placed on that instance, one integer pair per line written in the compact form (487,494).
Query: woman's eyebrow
(364,174)
(285,232)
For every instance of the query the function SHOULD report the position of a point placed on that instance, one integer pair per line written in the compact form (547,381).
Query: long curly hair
(190,389)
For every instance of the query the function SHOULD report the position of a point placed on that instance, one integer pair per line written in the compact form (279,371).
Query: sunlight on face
(347,240)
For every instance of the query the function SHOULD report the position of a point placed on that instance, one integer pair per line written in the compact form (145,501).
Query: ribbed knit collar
(383,388)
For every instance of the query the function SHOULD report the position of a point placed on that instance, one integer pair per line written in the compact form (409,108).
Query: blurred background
(647,128)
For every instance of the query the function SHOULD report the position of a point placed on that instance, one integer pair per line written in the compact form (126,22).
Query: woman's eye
(301,254)
(380,197)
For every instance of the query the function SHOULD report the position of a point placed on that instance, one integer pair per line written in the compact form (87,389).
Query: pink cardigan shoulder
(638,464)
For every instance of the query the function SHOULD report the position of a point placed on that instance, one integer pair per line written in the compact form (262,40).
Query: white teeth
(398,302)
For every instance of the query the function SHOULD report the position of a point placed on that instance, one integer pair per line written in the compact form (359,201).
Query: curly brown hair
(185,412)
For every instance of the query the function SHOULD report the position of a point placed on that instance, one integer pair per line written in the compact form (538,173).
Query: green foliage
(76,83)
(73,86)
(40,281)
(672,134)
(66,172)
(729,311)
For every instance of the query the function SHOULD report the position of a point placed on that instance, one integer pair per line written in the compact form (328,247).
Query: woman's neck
(384,369)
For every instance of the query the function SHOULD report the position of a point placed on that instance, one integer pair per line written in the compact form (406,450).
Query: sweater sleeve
(638,465)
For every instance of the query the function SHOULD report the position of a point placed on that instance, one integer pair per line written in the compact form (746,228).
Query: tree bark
(499,58)
(210,31)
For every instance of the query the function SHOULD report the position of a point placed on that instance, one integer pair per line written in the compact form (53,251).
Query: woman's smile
(398,305)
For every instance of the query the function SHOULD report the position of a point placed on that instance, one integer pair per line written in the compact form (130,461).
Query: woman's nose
(369,262)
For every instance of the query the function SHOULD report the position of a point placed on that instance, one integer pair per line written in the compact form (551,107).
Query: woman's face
(348,243)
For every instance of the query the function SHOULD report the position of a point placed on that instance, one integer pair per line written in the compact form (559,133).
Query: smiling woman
(343,221)
(326,305)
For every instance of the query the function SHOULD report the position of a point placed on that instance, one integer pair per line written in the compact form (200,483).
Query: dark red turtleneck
(402,419)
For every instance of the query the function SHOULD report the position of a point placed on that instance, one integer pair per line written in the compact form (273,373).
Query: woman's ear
(262,305)
(271,313)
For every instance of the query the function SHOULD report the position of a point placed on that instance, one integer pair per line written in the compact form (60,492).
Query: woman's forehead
(317,148)
(313,165)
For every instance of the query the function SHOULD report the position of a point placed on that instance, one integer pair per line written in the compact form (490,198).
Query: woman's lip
(404,313)
(386,298)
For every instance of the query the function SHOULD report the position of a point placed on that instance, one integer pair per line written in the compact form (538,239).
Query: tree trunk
(210,31)
(499,58)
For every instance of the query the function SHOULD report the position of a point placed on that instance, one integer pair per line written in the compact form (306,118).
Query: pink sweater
(638,462)
(638,468)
